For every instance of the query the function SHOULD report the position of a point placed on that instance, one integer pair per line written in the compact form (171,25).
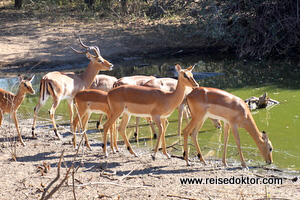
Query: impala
(104,83)
(146,102)
(92,101)
(64,85)
(9,103)
(218,104)
(169,85)
(141,81)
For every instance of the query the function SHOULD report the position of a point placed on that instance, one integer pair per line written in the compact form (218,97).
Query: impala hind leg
(137,123)
(165,124)
(37,108)
(99,122)
(70,106)
(238,144)
(122,129)
(160,126)
(195,141)
(114,138)
(180,115)
(226,137)
(110,121)
(14,115)
(186,132)
(52,112)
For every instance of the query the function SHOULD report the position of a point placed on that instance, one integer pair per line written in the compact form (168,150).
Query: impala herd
(141,96)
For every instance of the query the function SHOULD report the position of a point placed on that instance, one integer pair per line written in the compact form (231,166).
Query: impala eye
(185,76)
(271,149)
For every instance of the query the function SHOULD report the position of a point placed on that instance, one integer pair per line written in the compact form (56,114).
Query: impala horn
(88,48)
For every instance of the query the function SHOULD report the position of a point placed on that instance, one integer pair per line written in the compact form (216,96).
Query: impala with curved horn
(64,85)
(218,104)
(146,102)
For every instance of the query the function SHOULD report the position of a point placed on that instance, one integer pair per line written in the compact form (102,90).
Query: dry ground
(121,176)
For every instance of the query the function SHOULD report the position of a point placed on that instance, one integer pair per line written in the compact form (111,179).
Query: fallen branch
(52,182)
(110,183)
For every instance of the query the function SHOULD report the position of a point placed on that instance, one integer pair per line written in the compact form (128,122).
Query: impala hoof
(153,157)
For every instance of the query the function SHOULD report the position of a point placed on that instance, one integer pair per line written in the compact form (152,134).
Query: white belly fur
(208,114)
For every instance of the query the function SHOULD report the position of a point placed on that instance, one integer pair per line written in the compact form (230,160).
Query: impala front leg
(226,136)
(159,125)
(17,127)
(165,124)
(122,128)
(237,140)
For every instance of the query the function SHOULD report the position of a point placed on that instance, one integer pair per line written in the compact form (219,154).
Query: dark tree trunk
(18,4)
(124,6)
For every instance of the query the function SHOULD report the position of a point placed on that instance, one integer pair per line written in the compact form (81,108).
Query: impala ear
(20,78)
(89,56)
(190,68)
(265,136)
(31,78)
(178,68)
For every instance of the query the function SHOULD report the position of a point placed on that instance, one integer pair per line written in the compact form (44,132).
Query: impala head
(267,148)
(186,76)
(97,60)
(26,85)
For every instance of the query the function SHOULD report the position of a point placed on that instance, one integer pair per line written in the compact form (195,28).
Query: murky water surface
(280,79)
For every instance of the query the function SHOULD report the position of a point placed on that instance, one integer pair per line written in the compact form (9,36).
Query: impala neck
(177,96)
(18,99)
(89,75)
(252,129)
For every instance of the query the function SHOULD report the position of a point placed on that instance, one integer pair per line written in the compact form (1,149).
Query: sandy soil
(25,43)
(121,175)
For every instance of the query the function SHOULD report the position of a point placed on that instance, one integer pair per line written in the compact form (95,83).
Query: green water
(280,79)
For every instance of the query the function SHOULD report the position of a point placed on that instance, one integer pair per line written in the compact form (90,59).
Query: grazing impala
(64,85)
(104,83)
(92,101)
(9,103)
(218,104)
(146,102)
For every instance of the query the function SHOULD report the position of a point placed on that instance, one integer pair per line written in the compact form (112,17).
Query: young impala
(146,102)
(9,103)
(218,104)
(92,101)
(104,83)
(64,85)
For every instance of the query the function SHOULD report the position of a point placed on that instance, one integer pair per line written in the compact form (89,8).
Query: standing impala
(218,104)
(146,102)
(140,80)
(64,85)
(92,101)
(169,85)
(9,103)
(104,83)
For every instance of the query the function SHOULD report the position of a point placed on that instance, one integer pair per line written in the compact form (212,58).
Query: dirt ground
(121,175)
(25,43)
